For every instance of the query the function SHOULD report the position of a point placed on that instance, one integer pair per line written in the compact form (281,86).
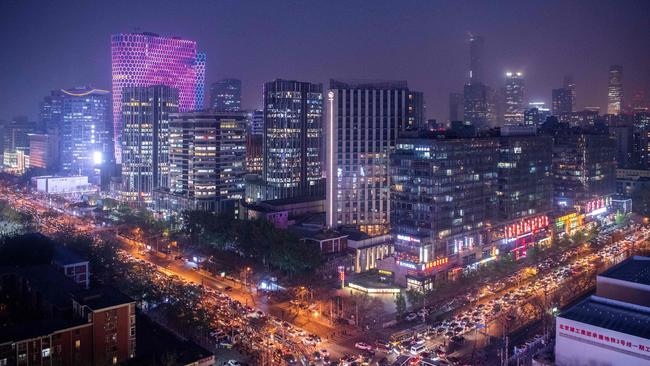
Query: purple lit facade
(146,59)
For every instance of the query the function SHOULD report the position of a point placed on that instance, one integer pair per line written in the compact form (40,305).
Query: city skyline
(438,39)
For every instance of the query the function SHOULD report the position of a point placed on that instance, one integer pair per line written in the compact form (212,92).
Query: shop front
(517,237)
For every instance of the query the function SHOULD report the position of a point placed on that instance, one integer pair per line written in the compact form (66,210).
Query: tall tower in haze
(146,59)
(514,97)
(476,56)
(570,86)
(615,90)
(478,109)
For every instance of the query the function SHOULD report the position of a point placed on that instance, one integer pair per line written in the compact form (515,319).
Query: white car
(364,346)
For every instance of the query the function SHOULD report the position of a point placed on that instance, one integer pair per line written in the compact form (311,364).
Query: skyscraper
(225,95)
(16,145)
(145,140)
(561,101)
(146,59)
(256,125)
(416,108)
(514,94)
(479,109)
(206,161)
(293,128)
(364,119)
(455,107)
(476,55)
(615,90)
(570,85)
(442,194)
(84,129)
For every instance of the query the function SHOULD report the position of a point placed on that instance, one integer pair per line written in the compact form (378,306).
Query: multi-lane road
(472,326)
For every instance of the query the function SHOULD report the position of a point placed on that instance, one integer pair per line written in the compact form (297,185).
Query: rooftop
(154,343)
(53,285)
(64,255)
(635,269)
(37,328)
(611,314)
(101,298)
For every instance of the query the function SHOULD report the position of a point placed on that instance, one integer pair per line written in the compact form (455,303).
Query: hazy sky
(59,44)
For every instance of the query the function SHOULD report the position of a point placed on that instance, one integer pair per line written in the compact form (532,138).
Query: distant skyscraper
(478,105)
(514,98)
(570,85)
(477,108)
(416,107)
(225,95)
(615,90)
(476,55)
(16,145)
(293,130)
(561,102)
(43,151)
(146,59)
(84,130)
(145,140)
(364,119)
(455,107)
(256,126)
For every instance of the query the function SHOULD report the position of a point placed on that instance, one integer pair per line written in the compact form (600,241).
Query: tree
(415,298)
(400,305)
(26,250)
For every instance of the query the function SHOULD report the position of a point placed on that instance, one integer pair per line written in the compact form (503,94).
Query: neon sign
(526,226)
(436,263)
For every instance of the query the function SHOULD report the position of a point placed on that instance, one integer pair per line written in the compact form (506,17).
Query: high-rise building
(478,109)
(84,130)
(525,171)
(570,85)
(476,59)
(364,120)
(514,94)
(584,167)
(615,90)
(561,102)
(146,59)
(43,151)
(293,130)
(16,145)
(207,152)
(254,153)
(536,114)
(442,194)
(456,107)
(416,107)
(225,95)
(145,140)
(256,124)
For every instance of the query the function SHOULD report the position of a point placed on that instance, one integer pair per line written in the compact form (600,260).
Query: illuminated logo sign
(407,264)
(408,238)
(384,272)
(436,263)
(526,226)
(599,205)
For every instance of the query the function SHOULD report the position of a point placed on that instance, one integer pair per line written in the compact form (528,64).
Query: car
(233,363)
(411,317)
(362,345)
(324,353)
(227,288)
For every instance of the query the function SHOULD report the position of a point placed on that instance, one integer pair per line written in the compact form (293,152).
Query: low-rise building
(613,326)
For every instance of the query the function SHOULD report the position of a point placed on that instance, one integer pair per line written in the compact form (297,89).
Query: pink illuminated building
(146,59)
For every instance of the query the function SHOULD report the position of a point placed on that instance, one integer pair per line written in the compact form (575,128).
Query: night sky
(59,44)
